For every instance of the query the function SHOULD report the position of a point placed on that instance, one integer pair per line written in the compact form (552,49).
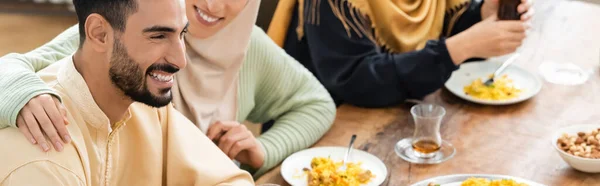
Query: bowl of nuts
(579,146)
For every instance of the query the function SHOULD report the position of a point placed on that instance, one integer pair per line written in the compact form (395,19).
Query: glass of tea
(426,145)
(427,138)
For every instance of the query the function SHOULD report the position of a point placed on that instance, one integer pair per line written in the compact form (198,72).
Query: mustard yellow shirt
(149,147)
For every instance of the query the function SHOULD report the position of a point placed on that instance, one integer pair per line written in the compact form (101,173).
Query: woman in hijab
(235,73)
(377,53)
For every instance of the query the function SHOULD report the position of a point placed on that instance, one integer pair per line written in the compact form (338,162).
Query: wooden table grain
(510,140)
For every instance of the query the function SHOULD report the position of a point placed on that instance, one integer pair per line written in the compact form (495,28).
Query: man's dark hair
(115,12)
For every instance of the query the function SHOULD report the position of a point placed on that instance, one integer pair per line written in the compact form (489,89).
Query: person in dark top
(378,53)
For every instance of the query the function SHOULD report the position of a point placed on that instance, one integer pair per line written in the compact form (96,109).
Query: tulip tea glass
(426,145)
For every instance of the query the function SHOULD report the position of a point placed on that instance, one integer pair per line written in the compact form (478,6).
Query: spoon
(490,81)
(343,168)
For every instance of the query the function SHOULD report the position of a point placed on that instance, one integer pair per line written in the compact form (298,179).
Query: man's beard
(127,75)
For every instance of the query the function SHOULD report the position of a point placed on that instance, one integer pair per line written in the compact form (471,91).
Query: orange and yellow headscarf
(397,25)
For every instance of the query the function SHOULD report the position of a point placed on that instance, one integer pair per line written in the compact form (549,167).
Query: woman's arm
(19,83)
(358,72)
(289,94)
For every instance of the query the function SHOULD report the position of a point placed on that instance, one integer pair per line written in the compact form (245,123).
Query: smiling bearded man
(117,89)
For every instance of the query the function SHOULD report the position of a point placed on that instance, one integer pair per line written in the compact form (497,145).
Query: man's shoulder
(50,74)
(18,152)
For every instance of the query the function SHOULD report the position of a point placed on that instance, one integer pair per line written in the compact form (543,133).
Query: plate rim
(493,176)
(536,91)
(333,147)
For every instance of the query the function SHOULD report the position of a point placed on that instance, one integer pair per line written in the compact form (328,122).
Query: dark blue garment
(359,72)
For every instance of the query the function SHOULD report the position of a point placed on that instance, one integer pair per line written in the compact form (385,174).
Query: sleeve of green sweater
(288,93)
(20,83)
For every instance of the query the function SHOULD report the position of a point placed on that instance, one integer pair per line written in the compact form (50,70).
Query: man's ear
(97,31)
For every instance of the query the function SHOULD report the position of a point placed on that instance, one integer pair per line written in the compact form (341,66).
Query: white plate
(292,166)
(468,72)
(457,179)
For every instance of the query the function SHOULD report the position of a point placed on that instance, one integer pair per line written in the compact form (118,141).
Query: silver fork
(497,73)
(344,167)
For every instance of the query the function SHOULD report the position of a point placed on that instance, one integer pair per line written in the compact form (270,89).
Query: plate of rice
(321,166)
(476,180)
(514,84)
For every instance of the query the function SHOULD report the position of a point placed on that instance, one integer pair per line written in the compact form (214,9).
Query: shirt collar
(77,90)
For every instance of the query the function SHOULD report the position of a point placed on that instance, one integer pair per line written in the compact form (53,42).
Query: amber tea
(426,146)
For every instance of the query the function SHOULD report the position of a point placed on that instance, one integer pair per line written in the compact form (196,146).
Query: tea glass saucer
(405,150)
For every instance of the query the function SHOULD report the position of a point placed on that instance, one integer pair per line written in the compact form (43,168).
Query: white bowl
(582,164)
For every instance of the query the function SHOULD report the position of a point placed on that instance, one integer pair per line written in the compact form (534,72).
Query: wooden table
(510,140)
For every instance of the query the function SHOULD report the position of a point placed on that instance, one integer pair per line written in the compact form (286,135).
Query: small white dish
(468,72)
(564,73)
(291,168)
(582,164)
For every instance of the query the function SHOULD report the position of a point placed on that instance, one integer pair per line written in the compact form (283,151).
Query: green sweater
(272,86)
